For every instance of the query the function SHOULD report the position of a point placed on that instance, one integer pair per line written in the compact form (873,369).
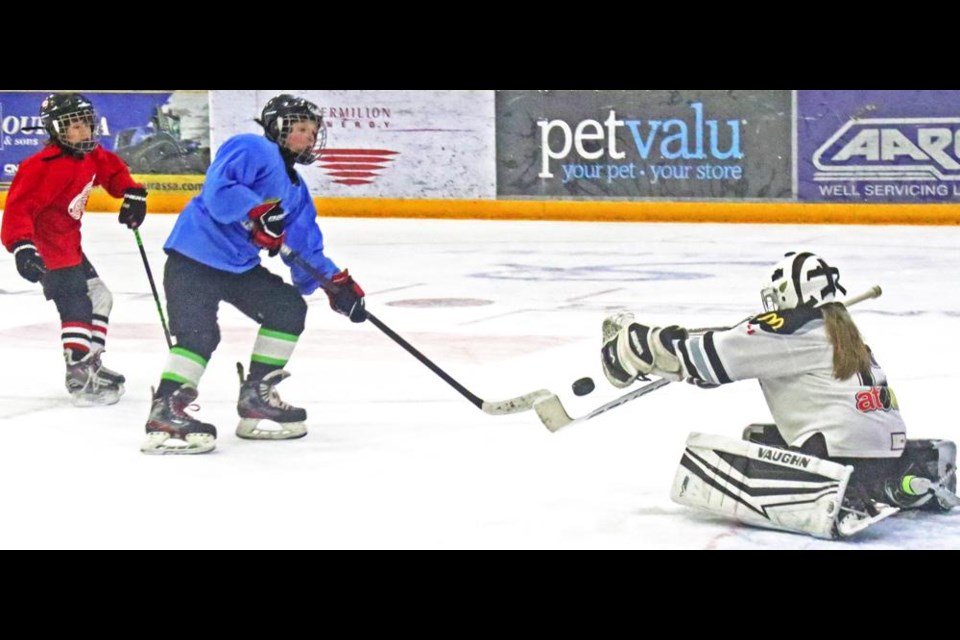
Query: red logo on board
(355,166)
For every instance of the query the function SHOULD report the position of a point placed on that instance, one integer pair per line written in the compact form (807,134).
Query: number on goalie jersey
(827,393)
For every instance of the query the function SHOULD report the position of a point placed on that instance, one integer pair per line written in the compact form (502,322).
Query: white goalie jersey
(791,355)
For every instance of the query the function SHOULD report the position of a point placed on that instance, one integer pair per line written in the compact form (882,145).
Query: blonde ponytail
(850,354)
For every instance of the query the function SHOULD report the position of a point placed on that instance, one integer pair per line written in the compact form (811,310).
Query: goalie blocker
(776,488)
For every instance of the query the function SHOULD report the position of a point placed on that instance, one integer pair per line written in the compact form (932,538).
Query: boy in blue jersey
(252,199)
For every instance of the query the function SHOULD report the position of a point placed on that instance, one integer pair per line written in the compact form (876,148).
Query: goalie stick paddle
(503,407)
(554,416)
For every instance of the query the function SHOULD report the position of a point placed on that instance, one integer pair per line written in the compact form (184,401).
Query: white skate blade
(103,398)
(249,429)
(160,443)
(855,523)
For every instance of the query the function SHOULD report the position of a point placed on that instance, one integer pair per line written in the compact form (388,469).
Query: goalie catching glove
(631,350)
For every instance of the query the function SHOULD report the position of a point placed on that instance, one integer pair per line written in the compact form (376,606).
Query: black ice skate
(110,374)
(170,430)
(929,477)
(89,384)
(258,401)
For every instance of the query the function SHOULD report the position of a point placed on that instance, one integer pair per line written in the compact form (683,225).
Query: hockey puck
(583,386)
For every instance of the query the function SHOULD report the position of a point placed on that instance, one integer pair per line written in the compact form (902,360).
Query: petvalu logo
(669,149)
(891,149)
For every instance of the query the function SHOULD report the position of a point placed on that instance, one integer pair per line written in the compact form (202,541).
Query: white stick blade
(514,405)
(551,412)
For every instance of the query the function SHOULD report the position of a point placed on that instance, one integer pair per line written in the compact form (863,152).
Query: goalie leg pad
(765,486)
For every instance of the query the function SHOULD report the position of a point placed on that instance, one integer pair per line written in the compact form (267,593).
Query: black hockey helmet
(279,115)
(59,110)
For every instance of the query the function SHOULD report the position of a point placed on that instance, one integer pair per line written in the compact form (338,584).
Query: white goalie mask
(801,279)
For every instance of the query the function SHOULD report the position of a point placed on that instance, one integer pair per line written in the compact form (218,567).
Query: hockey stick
(873,292)
(554,416)
(512,405)
(153,287)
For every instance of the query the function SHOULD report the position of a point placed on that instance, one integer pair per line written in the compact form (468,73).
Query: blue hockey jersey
(248,171)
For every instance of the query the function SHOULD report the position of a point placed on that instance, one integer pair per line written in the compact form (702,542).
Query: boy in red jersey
(41,227)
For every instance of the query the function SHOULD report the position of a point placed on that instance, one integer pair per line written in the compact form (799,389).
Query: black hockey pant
(194,292)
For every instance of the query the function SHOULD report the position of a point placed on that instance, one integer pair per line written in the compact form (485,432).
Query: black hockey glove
(29,263)
(134,207)
(349,299)
(267,232)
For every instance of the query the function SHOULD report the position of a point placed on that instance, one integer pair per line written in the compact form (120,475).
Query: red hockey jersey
(48,197)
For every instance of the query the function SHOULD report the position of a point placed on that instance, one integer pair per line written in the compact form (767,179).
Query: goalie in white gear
(829,399)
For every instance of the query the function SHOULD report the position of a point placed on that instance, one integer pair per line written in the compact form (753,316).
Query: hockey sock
(182,367)
(271,351)
(101,301)
(76,329)
(98,336)
(75,337)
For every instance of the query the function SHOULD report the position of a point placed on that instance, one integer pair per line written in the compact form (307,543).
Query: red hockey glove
(349,299)
(267,232)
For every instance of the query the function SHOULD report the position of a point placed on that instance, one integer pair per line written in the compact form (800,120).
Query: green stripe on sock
(273,348)
(184,367)
(189,355)
(172,376)
(279,335)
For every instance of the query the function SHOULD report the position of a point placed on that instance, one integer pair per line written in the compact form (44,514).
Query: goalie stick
(502,407)
(873,292)
(554,416)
